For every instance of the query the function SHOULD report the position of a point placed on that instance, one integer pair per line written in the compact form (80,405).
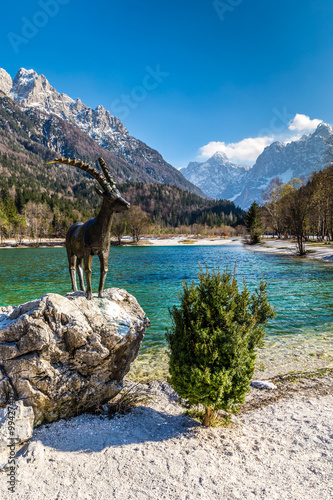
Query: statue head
(112,194)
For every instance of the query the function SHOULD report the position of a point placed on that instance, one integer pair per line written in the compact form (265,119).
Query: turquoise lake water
(300,289)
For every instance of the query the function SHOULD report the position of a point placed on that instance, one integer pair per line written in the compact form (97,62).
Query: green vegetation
(39,202)
(171,206)
(253,223)
(300,209)
(213,340)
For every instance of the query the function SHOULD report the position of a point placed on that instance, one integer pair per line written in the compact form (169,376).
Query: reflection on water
(301,290)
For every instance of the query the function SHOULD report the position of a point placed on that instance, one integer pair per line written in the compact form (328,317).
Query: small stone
(16,424)
(16,427)
(263,384)
(30,453)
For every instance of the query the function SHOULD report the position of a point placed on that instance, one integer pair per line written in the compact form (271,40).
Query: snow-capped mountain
(286,161)
(218,177)
(35,95)
(34,91)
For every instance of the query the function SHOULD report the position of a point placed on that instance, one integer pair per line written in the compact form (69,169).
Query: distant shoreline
(43,243)
(319,251)
(127,241)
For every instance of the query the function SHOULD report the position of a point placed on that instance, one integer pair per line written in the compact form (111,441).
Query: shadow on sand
(88,433)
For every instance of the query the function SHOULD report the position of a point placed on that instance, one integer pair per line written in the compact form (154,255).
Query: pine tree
(253,223)
(213,340)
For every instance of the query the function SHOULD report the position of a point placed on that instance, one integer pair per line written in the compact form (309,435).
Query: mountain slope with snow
(34,93)
(220,178)
(286,161)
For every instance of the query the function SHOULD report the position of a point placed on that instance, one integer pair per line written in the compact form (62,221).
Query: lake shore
(279,447)
(318,251)
(189,240)
(127,241)
(28,243)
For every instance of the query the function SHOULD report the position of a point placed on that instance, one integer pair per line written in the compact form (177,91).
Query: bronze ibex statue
(83,241)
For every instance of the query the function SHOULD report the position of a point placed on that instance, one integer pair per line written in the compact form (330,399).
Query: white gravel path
(280,451)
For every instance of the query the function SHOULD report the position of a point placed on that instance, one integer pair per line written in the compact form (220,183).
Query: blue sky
(238,71)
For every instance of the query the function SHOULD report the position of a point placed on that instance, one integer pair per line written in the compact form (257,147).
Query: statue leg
(79,268)
(87,270)
(104,269)
(72,270)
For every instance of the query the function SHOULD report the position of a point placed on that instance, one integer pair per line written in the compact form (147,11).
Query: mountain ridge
(139,162)
(216,172)
(67,194)
(219,177)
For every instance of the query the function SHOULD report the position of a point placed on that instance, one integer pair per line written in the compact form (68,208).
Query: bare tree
(119,225)
(38,217)
(138,220)
(272,215)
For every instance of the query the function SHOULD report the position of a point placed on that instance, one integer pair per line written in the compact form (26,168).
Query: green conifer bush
(213,340)
(254,223)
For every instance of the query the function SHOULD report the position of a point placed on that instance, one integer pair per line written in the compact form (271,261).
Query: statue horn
(106,171)
(107,186)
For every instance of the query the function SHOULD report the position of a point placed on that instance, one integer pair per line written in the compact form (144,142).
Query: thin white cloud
(247,150)
(303,123)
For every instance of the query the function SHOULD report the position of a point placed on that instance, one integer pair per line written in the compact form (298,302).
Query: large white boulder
(63,355)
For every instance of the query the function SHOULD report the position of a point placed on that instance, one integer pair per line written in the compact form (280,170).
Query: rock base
(64,355)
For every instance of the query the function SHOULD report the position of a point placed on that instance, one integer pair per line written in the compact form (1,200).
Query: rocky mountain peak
(34,91)
(323,130)
(219,156)
(34,97)
(30,88)
(298,158)
(219,177)
(5,82)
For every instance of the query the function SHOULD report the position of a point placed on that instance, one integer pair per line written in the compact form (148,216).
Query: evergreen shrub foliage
(213,340)
(254,223)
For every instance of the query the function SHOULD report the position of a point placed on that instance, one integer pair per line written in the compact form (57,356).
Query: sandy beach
(189,240)
(279,447)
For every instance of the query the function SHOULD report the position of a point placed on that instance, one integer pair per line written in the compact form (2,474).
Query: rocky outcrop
(63,355)
(5,82)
